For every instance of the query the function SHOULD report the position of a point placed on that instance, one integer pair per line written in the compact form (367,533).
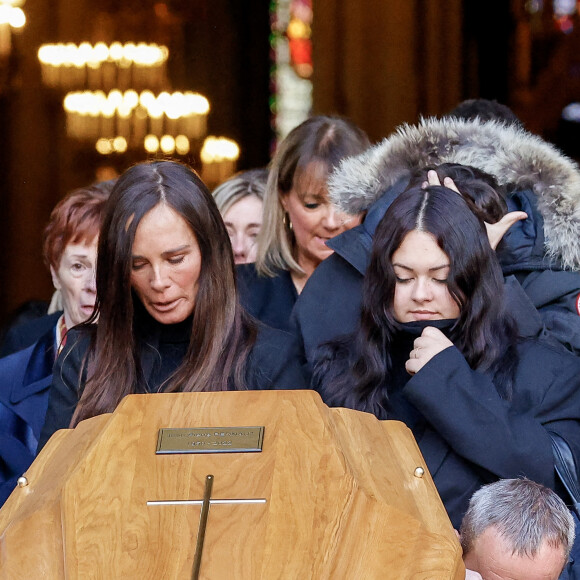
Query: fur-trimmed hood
(512,155)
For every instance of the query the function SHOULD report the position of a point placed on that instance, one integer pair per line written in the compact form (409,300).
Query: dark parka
(540,256)
(468,433)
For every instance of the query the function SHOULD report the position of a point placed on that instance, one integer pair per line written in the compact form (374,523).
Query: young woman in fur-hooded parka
(540,256)
(436,349)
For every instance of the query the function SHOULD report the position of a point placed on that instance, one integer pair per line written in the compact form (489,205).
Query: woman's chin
(322,253)
(167,315)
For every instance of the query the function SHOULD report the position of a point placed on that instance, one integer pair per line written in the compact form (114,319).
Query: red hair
(75,218)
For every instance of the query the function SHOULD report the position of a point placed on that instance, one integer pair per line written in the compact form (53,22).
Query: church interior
(248,70)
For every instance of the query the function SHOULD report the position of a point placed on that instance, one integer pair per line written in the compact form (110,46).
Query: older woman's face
(421,292)
(75,278)
(314,219)
(166,263)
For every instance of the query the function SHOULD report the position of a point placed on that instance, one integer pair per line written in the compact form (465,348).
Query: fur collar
(510,154)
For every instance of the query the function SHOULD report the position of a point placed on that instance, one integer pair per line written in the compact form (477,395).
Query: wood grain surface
(342,500)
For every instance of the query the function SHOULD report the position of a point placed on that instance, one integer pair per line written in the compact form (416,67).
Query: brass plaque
(210,440)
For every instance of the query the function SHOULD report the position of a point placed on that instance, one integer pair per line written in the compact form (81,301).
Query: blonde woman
(298,217)
(239,200)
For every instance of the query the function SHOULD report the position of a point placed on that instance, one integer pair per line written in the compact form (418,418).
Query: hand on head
(433,179)
(495,232)
(431,342)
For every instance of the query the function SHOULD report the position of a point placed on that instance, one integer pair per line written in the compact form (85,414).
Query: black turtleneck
(163,348)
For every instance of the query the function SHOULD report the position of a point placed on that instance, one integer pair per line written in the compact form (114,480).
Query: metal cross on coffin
(205,505)
(200,440)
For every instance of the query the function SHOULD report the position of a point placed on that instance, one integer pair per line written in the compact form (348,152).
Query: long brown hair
(318,139)
(221,336)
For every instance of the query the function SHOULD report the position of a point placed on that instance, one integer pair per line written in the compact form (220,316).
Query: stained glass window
(291,55)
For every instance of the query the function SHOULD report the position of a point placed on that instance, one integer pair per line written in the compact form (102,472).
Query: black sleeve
(328,307)
(67,380)
(275,362)
(506,438)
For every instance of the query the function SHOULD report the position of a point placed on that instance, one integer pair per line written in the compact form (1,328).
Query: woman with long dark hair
(167,307)
(436,349)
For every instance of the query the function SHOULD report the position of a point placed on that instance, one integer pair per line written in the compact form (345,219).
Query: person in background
(167,306)
(298,217)
(70,251)
(239,200)
(436,348)
(516,529)
(485,110)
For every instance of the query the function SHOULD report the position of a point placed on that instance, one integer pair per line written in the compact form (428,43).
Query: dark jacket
(540,256)
(268,299)
(25,378)
(273,363)
(468,434)
(27,333)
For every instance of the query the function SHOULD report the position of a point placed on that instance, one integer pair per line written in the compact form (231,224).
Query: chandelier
(122,99)
(118,97)
(136,118)
(12,17)
(101,67)
(218,159)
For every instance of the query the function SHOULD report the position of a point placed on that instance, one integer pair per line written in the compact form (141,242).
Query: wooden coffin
(333,494)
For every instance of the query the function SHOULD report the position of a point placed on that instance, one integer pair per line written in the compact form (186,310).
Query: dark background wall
(219,48)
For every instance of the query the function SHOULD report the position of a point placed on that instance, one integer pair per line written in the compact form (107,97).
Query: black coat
(268,299)
(273,363)
(543,299)
(468,434)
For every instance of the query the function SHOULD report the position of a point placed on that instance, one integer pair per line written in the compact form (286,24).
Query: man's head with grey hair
(516,528)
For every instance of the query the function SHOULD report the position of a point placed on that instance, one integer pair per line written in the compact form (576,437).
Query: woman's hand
(495,232)
(431,342)
(433,179)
